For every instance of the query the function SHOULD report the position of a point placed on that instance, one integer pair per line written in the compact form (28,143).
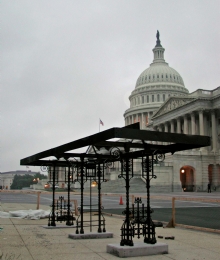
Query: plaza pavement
(22,239)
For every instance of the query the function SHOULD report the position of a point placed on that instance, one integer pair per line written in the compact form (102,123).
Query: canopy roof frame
(130,137)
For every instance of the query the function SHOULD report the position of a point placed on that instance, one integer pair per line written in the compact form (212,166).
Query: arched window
(147,99)
(142,99)
(163,97)
(152,98)
(158,98)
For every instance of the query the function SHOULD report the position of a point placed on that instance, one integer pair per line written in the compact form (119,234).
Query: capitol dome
(153,87)
(159,73)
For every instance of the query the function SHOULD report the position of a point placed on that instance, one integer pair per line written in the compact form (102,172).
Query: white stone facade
(6,178)
(161,102)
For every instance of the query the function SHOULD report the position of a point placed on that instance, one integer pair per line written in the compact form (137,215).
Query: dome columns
(143,118)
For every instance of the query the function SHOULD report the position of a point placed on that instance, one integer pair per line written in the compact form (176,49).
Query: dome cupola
(158,50)
(159,71)
(153,87)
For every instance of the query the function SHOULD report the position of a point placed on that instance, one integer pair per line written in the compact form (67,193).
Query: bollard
(173,212)
(38,199)
(172,222)
(76,207)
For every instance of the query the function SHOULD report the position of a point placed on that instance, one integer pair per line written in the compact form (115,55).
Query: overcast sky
(67,63)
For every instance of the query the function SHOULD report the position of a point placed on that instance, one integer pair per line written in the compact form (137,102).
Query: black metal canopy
(130,138)
(103,150)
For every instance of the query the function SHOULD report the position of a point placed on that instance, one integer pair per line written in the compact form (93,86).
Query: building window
(166,76)
(162,76)
(163,97)
(149,77)
(152,98)
(158,98)
(142,99)
(158,76)
(147,99)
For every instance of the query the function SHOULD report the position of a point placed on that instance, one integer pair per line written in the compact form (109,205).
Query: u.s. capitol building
(161,102)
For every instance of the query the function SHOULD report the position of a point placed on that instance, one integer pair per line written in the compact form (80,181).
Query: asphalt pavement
(194,213)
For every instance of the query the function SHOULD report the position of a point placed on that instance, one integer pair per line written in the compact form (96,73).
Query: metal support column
(99,198)
(68,222)
(82,188)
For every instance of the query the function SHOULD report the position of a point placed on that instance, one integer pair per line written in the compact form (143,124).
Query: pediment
(171,104)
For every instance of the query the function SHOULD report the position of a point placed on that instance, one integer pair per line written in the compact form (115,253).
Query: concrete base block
(91,235)
(56,227)
(139,249)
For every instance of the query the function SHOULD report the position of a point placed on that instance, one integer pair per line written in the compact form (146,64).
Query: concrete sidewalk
(27,240)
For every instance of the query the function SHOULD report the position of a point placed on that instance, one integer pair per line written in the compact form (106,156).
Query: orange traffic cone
(121,201)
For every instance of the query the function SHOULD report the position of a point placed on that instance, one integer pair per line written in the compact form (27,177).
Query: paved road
(195,213)
(112,201)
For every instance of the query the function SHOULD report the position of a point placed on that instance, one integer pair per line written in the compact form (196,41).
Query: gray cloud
(65,64)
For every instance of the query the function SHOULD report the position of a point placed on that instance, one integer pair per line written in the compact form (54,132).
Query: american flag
(100,121)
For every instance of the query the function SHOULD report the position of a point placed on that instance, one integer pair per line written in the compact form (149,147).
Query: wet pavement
(23,239)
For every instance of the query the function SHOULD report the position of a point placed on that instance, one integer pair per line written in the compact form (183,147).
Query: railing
(25,192)
(173,223)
